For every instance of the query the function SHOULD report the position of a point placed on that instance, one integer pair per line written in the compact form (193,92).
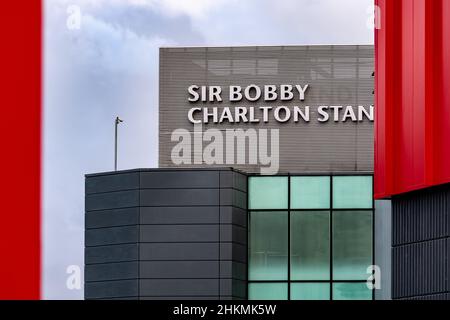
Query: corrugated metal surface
(421,245)
(420,269)
(421,216)
(337,75)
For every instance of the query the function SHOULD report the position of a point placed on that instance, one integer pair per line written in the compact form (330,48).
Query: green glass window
(268,291)
(268,193)
(310,237)
(351,291)
(310,192)
(352,192)
(310,245)
(352,244)
(310,291)
(268,258)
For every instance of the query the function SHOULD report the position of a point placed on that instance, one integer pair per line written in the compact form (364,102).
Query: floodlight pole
(117,122)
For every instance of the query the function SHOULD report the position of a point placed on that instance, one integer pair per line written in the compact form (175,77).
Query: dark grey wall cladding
(421,244)
(433,297)
(114,253)
(233,269)
(179,197)
(180,179)
(112,271)
(232,215)
(110,236)
(109,183)
(178,233)
(420,269)
(179,287)
(112,218)
(232,233)
(422,215)
(183,298)
(183,215)
(111,289)
(112,200)
(234,252)
(179,251)
(179,269)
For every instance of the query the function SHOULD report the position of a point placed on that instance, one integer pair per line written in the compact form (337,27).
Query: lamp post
(117,122)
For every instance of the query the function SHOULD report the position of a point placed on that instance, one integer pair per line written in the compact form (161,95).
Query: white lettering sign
(264,114)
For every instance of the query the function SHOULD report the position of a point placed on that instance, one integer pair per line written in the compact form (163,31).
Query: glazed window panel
(310,245)
(352,244)
(268,193)
(268,258)
(352,192)
(351,291)
(268,291)
(310,237)
(310,192)
(310,291)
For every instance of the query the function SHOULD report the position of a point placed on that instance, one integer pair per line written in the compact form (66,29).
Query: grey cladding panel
(112,218)
(232,197)
(113,200)
(179,197)
(233,287)
(383,250)
(179,269)
(233,215)
(181,298)
(179,251)
(422,215)
(420,269)
(337,75)
(170,238)
(111,289)
(232,233)
(110,236)
(180,179)
(179,215)
(233,251)
(113,182)
(233,270)
(108,254)
(179,287)
(180,233)
(111,271)
(232,179)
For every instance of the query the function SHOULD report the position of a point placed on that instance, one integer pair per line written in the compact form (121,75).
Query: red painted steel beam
(20,132)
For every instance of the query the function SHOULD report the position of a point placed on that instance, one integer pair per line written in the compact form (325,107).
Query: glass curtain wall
(310,237)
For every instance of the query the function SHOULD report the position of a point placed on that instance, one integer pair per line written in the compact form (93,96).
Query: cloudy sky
(109,66)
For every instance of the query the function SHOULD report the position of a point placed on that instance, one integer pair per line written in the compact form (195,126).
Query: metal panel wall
(166,234)
(421,244)
(412,99)
(337,75)
(112,236)
(383,240)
